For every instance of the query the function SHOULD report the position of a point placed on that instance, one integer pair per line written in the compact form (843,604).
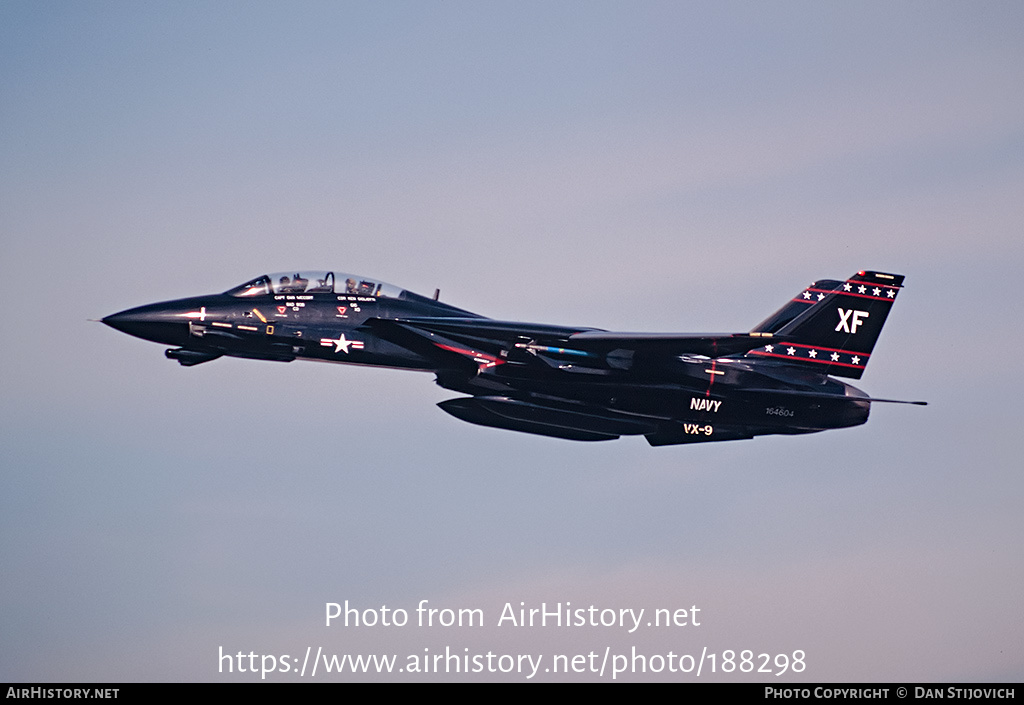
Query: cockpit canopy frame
(315,282)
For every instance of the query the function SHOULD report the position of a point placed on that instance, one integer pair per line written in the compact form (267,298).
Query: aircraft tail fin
(796,306)
(832,325)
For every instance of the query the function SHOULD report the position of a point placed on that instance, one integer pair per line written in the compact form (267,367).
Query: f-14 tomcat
(582,384)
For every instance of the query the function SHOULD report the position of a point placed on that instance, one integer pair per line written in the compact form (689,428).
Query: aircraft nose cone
(153,322)
(123,321)
(129,322)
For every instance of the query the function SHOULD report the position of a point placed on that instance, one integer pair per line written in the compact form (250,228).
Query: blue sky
(666,166)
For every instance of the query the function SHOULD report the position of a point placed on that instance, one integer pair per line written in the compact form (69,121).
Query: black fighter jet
(582,384)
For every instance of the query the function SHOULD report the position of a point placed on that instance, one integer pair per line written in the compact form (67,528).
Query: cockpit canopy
(315,282)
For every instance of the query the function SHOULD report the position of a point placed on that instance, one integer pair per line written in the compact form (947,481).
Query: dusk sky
(653,166)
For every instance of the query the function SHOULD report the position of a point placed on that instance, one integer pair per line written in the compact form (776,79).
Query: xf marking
(847,325)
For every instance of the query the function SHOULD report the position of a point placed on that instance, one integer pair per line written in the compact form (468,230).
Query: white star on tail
(341,344)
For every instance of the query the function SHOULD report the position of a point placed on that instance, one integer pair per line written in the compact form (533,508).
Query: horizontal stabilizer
(833,397)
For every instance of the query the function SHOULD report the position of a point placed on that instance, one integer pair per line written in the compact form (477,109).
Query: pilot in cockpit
(324,285)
